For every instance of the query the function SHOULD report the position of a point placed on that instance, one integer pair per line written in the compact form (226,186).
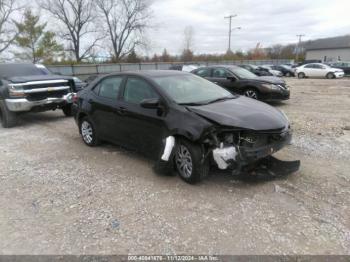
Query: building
(329,49)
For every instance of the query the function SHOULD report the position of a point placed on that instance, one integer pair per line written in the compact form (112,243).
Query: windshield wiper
(192,104)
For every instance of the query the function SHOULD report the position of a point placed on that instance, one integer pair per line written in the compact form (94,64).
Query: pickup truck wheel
(88,133)
(67,110)
(188,162)
(7,117)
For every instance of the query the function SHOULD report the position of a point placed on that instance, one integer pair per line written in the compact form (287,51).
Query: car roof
(152,73)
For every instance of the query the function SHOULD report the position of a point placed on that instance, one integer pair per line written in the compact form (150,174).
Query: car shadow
(277,103)
(225,177)
(29,119)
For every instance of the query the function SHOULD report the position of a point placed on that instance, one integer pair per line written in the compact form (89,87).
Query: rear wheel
(288,74)
(88,132)
(188,162)
(251,93)
(7,117)
(330,76)
(301,75)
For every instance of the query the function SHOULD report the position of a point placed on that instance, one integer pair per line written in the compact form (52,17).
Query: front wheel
(251,93)
(188,162)
(88,132)
(330,76)
(7,117)
(301,75)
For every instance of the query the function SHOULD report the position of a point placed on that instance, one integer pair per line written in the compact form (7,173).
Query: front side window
(109,87)
(220,73)
(137,89)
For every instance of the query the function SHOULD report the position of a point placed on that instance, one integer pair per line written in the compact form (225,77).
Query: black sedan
(256,70)
(183,121)
(239,80)
(345,66)
(286,70)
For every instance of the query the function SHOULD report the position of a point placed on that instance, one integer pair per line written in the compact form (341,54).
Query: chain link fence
(84,70)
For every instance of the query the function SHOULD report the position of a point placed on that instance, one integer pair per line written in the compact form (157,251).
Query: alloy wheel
(251,94)
(183,161)
(87,132)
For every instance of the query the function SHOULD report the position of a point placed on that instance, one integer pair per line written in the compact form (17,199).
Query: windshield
(12,70)
(191,89)
(242,73)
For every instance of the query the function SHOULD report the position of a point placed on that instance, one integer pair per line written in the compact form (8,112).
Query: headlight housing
(271,86)
(16,91)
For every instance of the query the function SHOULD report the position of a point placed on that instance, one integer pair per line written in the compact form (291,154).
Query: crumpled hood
(23,79)
(242,112)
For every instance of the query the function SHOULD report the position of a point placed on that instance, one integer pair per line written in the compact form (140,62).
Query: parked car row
(180,119)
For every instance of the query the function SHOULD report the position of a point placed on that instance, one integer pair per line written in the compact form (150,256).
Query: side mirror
(152,103)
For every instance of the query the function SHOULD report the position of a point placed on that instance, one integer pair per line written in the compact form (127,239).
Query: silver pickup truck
(32,88)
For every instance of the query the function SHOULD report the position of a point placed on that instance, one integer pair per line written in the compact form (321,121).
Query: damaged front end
(249,152)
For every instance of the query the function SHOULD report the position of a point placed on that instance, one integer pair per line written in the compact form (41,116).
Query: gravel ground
(59,196)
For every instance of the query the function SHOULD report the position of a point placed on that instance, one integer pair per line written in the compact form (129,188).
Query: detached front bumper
(253,154)
(24,105)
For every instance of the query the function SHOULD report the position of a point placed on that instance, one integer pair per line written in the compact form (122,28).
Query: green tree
(133,57)
(165,56)
(37,44)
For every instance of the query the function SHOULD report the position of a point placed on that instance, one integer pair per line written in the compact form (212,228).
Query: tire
(188,162)
(330,76)
(251,93)
(67,110)
(301,75)
(288,74)
(88,132)
(8,118)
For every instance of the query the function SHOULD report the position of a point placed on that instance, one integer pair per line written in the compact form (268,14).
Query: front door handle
(122,110)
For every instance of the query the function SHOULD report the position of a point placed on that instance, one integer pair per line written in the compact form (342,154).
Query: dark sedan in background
(286,70)
(239,80)
(345,66)
(256,70)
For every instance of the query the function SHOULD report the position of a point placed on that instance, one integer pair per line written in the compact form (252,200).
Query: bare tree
(125,22)
(78,18)
(7,29)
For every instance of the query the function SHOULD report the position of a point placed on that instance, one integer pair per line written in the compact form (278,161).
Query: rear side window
(137,89)
(309,66)
(205,72)
(109,87)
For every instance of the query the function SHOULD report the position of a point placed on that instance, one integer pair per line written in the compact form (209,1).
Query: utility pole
(298,48)
(230,30)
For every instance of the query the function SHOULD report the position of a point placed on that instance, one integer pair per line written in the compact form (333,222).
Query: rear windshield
(12,70)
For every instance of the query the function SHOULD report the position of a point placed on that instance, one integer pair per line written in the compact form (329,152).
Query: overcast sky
(265,21)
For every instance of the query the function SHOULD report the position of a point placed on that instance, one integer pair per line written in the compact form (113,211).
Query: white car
(318,70)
